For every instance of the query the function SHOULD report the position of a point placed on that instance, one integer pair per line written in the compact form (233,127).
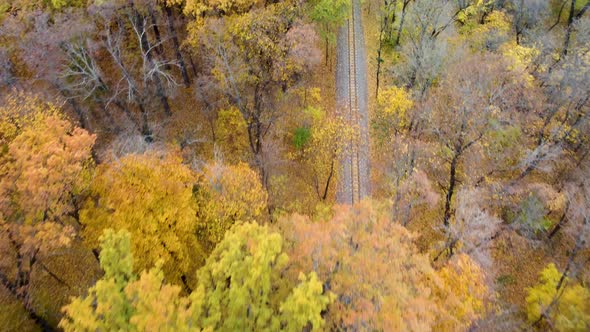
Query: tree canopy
(382,165)
(239,287)
(151,196)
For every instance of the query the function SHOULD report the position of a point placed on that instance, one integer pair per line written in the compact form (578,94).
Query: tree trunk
(176,43)
(23,297)
(568,32)
(160,92)
(74,104)
(110,118)
(159,47)
(127,113)
(145,44)
(81,116)
(570,261)
(193,66)
(328,181)
(561,221)
(378,71)
(379,60)
(401,22)
(560,284)
(327,49)
(145,129)
(451,190)
(390,6)
(518,26)
(407,213)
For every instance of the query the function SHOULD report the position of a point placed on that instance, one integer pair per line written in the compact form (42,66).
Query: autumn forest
(294,165)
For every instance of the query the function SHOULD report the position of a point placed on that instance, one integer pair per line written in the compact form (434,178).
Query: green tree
(243,285)
(330,15)
(240,288)
(105,308)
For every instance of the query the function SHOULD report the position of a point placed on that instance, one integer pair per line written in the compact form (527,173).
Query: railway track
(353,109)
(351,99)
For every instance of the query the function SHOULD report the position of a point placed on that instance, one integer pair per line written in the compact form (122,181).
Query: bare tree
(578,230)
(139,77)
(425,51)
(459,112)
(37,36)
(153,70)
(413,191)
(6,68)
(565,114)
(473,228)
(402,20)
(527,16)
(176,44)
(571,20)
(113,39)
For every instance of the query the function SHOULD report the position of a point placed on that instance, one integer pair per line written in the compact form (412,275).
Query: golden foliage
(393,112)
(150,196)
(566,308)
(461,293)
(45,166)
(520,58)
(227,194)
(201,8)
(231,133)
(18,111)
(319,153)
(45,163)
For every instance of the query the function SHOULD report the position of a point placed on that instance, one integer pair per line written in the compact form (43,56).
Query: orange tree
(380,279)
(44,166)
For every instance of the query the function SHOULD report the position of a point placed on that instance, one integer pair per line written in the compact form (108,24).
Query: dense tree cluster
(173,165)
(238,289)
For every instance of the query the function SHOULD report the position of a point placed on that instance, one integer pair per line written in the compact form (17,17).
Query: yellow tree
(390,127)
(16,5)
(202,8)
(227,194)
(44,167)
(460,295)
(152,197)
(558,302)
(393,113)
(318,147)
(231,132)
(252,259)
